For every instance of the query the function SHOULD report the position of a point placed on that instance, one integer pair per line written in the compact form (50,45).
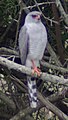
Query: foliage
(8,9)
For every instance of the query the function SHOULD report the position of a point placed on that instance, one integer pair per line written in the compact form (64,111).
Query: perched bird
(32,43)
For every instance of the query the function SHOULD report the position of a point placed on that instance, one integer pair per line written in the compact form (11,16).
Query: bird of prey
(32,43)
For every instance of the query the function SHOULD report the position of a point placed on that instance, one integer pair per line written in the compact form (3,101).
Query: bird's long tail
(32,91)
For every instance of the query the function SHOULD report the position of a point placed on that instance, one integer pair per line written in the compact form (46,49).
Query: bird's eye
(34,16)
(37,17)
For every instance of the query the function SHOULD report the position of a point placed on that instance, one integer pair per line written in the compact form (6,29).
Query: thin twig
(39,4)
(17,31)
(44,15)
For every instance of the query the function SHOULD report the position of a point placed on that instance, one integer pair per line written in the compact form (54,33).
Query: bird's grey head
(33,17)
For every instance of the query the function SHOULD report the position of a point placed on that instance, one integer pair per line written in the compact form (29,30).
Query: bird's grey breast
(34,30)
(37,40)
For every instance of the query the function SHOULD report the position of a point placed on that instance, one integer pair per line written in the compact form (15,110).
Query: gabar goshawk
(32,43)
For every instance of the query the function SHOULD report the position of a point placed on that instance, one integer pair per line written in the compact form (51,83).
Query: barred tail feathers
(32,91)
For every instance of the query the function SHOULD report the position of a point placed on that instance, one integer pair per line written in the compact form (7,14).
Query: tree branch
(46,103)
(22,113)
(58,96)
(39,4)
(22,69)
(63,14)
(17,31)
(5,51)
(8,51)
(8,101)
(52,107)
(44,15)
(52,98)
(46,64)
(53,55)
(7,29)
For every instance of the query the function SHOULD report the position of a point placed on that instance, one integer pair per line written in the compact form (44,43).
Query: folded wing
(23,44)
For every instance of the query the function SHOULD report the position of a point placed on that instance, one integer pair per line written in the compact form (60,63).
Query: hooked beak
(37,17)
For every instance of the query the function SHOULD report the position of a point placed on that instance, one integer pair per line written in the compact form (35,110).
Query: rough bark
(22,114)
(8,101)
(52,107)
(63,14)
(22,69)
(7,51)
(46,103)
(54,67)
(52,98)
(53,55)
(58,34)
(58,96)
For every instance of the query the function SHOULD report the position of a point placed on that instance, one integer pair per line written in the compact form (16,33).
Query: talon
(35,69)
